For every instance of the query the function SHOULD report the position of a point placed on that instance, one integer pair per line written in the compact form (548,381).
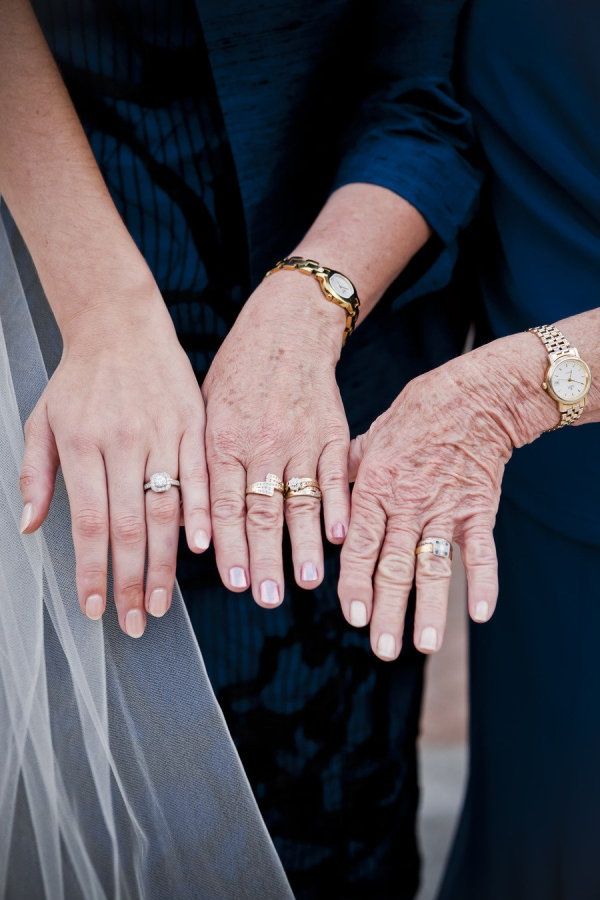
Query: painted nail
(358,613)
(26,517)
(428,639)
(134,623)
(94,607)
(157,602)
(482,611)
(339,530)
(309,572)
(386,646)
(237,577)
(269,592)
(201,540)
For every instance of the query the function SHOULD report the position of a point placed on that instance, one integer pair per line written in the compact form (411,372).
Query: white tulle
(118,778)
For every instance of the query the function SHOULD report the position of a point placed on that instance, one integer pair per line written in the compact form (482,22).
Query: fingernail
(358,613)
(157,602)
(237,577)
(482,611)
(201,540)
(428,639)
(309,572)
(269,592)
(134,623)
(386,646)
(339,530)
(94,607)
(26,517)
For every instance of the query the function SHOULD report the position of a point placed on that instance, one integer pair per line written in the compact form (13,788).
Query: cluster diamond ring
(267,487)
(438,546)
(160,482)
(302,487)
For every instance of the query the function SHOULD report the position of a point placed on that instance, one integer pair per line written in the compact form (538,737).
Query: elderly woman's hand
(431,466)
(273,406)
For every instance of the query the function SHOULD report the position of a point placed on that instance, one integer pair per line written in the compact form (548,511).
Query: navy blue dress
(531,820)
(208,129)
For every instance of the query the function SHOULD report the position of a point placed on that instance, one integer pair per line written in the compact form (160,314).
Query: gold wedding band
(302,487)
(267,487)
(438,546)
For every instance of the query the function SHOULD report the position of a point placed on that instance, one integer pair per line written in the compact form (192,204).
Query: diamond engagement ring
(161,481)
(267,487)
(302,487)
(437,546)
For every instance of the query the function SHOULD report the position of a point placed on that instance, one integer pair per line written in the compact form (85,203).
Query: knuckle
(396,567)
(89,523)
(226,510)
(81,444)
(92,574)
(432,569)
(130,591)
(28,477)
(163,509)
(264,516)
(433,604)
(128,529)
(334,479)
(164,570)
(197,475)
(302,508)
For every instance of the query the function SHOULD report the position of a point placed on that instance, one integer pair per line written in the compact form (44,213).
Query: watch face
(569,380)
(341,285)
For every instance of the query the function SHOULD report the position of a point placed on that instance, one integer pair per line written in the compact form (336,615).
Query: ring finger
(303,518)
(433,575)
(162,525)
(125,475)
(264,530)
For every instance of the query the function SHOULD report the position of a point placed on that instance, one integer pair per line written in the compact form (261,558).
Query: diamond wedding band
(302,487)
(160,482)
(267,487)
(438,546)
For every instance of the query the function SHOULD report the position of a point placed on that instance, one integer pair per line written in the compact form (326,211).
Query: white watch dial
(569,380)
(341,285)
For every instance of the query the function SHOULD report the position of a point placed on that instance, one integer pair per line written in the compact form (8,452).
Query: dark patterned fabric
(325,731)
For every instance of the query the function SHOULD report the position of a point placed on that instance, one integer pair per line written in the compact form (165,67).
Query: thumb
(38,470)
(357,450)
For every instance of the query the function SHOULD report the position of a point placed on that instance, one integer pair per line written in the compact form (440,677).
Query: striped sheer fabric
(118,776)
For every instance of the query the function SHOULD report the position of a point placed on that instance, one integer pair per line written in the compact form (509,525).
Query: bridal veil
(118,778)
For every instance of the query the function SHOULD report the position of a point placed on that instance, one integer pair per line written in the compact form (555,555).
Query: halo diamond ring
(160,482)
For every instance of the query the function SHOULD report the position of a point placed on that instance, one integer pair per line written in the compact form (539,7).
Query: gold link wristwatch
(568,379)
(335,287)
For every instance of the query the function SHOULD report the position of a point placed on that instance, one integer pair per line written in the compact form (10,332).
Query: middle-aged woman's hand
(431,467)
(123,404)
(273,406)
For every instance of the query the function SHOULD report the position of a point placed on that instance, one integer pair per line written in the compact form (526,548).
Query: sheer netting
(118,777)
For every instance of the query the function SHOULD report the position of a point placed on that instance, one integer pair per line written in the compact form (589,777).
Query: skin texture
(124,401)
(432,466)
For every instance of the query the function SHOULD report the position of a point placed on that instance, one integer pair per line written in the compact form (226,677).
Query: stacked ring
(438,546)
(267,487)
(302,487)
(160,482)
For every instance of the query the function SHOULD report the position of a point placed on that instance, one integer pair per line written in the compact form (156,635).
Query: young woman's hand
(431,467)
(123,403)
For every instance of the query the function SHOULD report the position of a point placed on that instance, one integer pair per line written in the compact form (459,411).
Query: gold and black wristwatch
(568,379)
(336,288)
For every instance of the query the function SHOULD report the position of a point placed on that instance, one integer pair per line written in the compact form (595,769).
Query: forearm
(50,180)
(367,233)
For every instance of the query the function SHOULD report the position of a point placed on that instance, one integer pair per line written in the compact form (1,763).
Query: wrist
(515,367)
(302,313)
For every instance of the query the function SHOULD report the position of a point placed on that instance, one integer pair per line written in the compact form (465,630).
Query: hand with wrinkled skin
(273,405)
(432,466)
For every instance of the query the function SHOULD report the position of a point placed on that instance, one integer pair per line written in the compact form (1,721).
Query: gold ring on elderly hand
(302,487)
(438,546)
(160,482)
(267,487)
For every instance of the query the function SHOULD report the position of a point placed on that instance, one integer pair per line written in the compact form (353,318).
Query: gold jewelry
(267,487)
(335,287)
(568,379)
(437,546)
(302,487)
